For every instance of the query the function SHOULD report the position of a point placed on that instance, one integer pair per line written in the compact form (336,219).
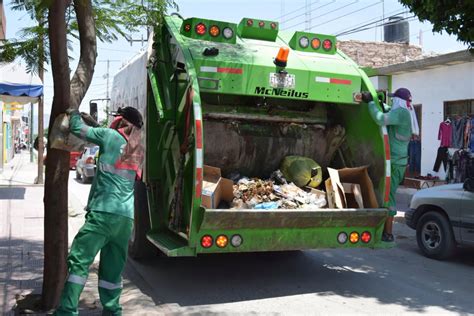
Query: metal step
(171,244)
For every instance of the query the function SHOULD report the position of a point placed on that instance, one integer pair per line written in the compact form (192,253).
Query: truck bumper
(262,230)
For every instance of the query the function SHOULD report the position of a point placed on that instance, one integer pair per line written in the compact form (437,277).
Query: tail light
(187,27)
(222,241)
(206,241)
(261,24)
(357,97)
(227,33)
(315,43)
(342,238)
(365,237)
(214,31)
(249,22)
(200,29)
(236,240)
(327,44)
(273,25)
(304,42)
(354,237)
(90,161)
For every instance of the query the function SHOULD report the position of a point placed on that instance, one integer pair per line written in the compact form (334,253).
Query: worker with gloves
(401,123)
(110,210)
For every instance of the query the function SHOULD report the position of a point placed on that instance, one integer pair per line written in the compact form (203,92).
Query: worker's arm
(96,135)
(383,119)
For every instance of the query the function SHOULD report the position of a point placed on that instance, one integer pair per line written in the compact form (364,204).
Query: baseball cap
(130,114)
(402,93)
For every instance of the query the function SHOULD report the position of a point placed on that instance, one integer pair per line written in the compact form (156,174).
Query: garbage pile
(274,193)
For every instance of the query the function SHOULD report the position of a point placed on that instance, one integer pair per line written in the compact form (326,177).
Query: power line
(295,17)
(341,7)
(392,13)
(352,12)
(408,19)
(294,11)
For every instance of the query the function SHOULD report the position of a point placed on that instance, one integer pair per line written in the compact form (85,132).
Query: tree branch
(87,38)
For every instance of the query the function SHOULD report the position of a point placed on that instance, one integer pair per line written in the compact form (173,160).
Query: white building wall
(431,88)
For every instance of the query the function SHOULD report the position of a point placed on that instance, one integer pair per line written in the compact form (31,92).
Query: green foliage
(456,17)
(113,18)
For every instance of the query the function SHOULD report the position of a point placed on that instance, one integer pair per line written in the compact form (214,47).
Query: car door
(467,217)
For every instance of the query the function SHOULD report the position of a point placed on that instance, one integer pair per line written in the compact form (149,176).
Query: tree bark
(67,94)
(57,165)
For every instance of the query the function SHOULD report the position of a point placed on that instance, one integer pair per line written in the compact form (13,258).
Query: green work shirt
(112,188)
(398,123)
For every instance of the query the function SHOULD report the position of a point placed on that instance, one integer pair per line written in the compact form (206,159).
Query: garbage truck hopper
(225,104)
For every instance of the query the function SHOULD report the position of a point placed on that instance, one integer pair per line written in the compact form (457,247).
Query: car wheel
(78,175)
(85,180)
(435,236)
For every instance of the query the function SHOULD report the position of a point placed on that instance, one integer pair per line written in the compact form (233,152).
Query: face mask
(115,123)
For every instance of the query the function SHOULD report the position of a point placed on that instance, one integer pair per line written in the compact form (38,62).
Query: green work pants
(396,177)
(109,234)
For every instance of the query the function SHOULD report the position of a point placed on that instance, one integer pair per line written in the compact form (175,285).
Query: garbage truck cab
(223,101)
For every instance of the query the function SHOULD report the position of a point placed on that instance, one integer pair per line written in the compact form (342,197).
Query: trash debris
(267,206)
(302,171)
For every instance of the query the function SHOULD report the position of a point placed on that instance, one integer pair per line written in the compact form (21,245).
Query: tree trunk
(66,94)
(57,165)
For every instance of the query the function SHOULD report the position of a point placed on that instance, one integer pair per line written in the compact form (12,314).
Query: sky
(323,16)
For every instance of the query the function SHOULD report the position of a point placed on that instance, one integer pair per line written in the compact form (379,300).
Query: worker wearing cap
(401,123)
(110,208)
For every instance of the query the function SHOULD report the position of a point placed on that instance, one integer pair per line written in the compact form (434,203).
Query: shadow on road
(215,279)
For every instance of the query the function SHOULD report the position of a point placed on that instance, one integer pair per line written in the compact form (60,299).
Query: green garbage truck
(239,98)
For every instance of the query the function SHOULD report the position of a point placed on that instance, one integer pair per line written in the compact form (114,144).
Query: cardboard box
(215,188)
(350,188)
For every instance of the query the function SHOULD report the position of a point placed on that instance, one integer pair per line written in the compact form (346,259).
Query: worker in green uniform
(401,123)
(110,210)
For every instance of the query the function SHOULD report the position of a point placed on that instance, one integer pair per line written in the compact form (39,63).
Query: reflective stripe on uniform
(74,278)
(84,130)
(109,285)
(124,173)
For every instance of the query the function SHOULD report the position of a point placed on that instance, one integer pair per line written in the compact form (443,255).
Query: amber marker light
(315,43)
(282,57)
(354,237)
(214,31)
(221,241)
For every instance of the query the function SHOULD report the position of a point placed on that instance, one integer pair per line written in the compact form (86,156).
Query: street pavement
(349,282)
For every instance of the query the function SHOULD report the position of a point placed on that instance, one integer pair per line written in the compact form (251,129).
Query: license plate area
(282,80)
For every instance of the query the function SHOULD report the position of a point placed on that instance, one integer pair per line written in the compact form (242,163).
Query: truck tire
(435,236)
(139,247)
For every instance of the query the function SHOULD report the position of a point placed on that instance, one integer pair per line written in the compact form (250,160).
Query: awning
(17,86)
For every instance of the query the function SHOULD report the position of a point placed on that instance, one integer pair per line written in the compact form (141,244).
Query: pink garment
(444,134)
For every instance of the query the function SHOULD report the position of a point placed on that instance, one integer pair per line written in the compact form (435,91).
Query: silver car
(86,164)
(443,217)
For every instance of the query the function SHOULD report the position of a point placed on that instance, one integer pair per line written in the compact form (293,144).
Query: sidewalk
(21,245)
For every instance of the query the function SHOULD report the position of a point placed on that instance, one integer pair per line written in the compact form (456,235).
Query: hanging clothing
(457,136)
(467,133)
(445,134)
(471,135)
(441,157)
(414,156)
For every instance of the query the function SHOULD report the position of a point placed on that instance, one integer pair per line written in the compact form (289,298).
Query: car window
(93,150)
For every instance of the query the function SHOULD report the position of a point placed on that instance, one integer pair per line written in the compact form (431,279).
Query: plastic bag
(302,171)
(61,138)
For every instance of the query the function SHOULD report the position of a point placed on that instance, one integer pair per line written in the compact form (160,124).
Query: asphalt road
(375,282)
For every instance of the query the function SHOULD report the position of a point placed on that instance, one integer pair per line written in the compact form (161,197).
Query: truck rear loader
(241,98)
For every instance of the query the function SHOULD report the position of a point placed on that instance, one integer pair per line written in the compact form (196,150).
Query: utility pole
(39,179)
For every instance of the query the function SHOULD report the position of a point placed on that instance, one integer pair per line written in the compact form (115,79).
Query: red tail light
(187,27)
(327,44)
(201,29)
(261,24)
(365,237)
(249,22)
(273,25)
(206,241)
(90,161)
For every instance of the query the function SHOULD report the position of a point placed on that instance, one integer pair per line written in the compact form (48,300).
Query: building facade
(442,88)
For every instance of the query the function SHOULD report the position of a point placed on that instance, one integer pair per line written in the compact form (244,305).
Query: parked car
(73,157)
(86,164)
(443,218)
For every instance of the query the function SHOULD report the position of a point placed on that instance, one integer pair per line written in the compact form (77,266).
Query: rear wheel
(78,175)
(435,236)
(139,247)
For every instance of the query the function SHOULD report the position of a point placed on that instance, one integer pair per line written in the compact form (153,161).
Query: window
(453,109)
